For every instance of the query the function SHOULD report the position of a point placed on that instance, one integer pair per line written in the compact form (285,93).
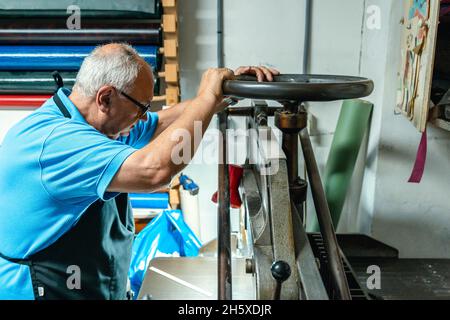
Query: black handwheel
(299,87)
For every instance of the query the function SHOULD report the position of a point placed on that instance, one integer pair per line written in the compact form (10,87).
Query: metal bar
(310,278)
(250,111)
(307,41)
(324,217)
(224,223)
(240,111)
(220,51)
(290,148)
(281,227)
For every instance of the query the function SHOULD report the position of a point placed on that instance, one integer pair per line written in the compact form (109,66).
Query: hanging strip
(421,157)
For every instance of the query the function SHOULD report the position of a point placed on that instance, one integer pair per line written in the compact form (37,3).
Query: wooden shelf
(170,49)
(159,98)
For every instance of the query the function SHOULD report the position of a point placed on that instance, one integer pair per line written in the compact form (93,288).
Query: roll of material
(88,8)
(39,82)
(62,58)
(190,208)
(24,32)
(62,15)
(353,123)
(149,200)
(23,101)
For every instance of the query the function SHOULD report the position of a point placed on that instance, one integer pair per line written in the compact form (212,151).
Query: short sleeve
(142,132)
(78,163)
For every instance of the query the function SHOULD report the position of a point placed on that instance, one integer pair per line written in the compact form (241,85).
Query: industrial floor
(401,279)
(407,279)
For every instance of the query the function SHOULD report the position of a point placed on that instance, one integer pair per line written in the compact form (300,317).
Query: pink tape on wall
(421,158)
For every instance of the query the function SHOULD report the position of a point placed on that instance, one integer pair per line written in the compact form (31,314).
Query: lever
(281,271)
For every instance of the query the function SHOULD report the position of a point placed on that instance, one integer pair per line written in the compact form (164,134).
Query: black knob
(281,270)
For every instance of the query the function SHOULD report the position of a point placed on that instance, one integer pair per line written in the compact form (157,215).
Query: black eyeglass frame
(144,107)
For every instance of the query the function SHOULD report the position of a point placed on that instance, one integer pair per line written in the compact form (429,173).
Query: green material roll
(41,82)
(352,125)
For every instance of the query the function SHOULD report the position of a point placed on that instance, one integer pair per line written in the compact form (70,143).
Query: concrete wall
(412,217)
(415,218)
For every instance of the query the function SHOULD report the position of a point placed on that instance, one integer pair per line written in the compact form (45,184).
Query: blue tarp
(167,234)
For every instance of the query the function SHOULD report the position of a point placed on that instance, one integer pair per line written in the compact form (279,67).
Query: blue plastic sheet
(167,234)
(63,58)
(149,200)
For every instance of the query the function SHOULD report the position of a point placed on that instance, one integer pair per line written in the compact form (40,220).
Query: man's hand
(211,85)
(210,89)
(262,73)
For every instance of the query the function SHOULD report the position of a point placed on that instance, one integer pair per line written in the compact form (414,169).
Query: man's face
(124,113)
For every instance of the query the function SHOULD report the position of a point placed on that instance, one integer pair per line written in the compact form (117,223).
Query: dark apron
(97,249)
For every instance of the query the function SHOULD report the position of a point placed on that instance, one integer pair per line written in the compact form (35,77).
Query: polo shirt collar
(63,94)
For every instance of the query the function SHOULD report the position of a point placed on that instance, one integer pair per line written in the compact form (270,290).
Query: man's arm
(152,167)
(167,116)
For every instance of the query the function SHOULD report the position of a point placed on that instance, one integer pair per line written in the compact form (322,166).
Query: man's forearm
(156,163)
(196,110)
(167,116)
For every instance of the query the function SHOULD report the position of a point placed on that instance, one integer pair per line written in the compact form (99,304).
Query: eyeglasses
(144,108)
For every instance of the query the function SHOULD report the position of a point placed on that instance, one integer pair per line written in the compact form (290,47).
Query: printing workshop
(224,150)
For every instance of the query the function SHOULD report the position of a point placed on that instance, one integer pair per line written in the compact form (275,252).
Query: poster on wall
(419,23)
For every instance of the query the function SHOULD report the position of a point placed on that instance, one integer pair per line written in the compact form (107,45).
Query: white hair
(118,67)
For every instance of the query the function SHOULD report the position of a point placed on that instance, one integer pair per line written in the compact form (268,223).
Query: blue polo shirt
(52,169)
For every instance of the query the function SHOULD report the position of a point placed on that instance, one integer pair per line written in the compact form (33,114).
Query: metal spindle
(224,223)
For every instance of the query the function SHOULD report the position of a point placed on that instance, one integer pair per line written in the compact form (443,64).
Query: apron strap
(61,106)
(58,80)
(59,84)
(18,261)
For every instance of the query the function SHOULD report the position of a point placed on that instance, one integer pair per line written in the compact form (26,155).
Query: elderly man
(66,228)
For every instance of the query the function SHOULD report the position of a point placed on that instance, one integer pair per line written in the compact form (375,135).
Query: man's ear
(104,98)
